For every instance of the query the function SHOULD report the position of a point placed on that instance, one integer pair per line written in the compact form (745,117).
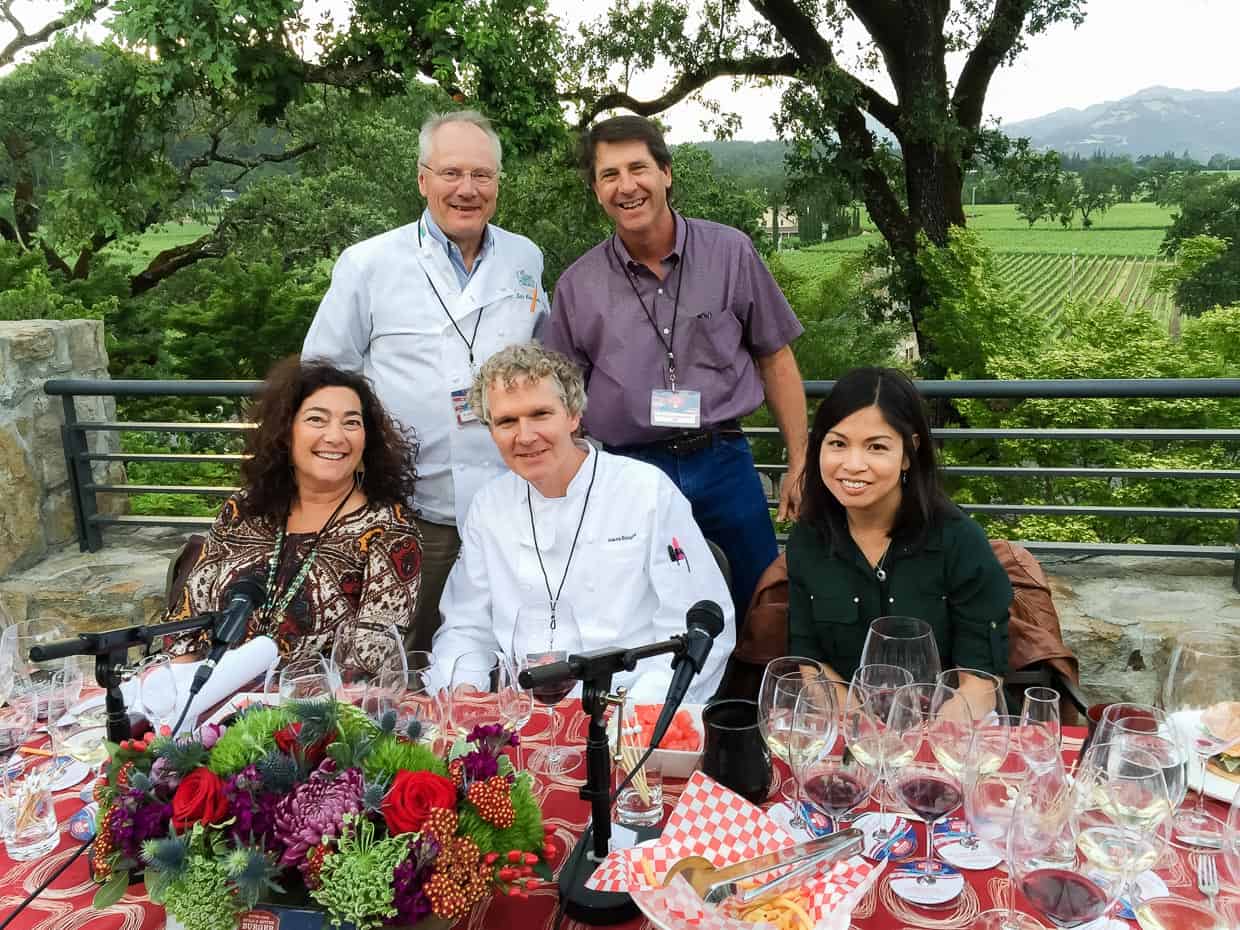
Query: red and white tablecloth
(67,904)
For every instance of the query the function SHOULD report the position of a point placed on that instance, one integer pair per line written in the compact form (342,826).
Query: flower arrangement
(314,800)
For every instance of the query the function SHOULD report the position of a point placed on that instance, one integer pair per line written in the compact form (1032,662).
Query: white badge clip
(680,409)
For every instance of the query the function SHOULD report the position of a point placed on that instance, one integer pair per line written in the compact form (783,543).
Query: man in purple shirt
(681,331)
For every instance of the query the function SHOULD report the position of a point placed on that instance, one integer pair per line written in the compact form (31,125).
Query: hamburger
(1223,722)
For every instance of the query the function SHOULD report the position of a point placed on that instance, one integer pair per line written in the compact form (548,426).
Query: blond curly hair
(528,361)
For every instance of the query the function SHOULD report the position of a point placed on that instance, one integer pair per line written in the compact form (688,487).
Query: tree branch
(249,164)
(170,261)
(992,47)
(24,40)
(815,52)
(687,83)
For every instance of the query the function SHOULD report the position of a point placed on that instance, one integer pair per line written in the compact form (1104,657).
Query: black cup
(735,754)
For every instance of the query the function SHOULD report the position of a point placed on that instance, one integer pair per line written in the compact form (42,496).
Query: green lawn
(1125,229)
(165,236)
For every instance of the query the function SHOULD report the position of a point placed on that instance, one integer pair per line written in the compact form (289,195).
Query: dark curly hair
(388,458)
(923,502)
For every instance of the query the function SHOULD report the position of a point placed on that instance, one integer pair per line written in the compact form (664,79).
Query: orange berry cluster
(494,801)
(104,846)
(440,825)
(459,881)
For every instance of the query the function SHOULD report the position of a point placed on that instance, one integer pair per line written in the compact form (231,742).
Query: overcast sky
(1122,47)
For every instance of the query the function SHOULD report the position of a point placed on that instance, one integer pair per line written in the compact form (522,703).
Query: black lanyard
(668,343)
(469,343)
(555,598)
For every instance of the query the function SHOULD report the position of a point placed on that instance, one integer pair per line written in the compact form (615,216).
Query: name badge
(460,406)
(681,409)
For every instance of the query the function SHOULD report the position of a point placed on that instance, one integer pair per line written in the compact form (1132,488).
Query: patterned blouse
(365,576)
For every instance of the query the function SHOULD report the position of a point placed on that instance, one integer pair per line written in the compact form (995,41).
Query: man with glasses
(418,309)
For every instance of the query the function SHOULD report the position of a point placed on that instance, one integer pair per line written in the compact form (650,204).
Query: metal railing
(79,457)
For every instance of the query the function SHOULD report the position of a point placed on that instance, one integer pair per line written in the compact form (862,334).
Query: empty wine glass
(542,635)
(867,708)
(375,648)
(834,783)
(1200,694)
(33,633)
(8,662)
(516,704)
(421,699)
(905,642)
(472,695)
(307,678)
(1231,840)
(159,692)
(1039,720)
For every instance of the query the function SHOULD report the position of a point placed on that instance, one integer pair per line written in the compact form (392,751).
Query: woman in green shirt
(877,536)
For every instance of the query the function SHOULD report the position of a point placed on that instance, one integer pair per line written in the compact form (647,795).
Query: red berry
(165,730)
(491,858)
(514,855)
(529,858)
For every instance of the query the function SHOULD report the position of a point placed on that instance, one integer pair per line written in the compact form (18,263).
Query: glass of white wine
(782,682)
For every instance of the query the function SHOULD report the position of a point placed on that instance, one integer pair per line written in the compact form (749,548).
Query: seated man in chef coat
(610,536)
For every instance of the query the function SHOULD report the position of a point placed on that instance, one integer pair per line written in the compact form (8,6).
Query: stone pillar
(36,505)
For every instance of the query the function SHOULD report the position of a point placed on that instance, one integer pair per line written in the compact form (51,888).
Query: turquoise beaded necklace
(276,607)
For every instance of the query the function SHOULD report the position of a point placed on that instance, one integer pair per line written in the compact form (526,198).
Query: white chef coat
(381,317)
(623,586)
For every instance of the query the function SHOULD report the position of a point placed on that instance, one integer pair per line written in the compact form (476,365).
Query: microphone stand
(111,651)
(594,670)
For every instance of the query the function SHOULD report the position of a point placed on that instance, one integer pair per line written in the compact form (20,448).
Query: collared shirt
(463,274)
(382,316)
(952,580)
(731,312)
(623,585)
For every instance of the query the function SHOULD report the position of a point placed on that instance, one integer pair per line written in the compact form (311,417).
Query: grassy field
(1115,259)
(155,240)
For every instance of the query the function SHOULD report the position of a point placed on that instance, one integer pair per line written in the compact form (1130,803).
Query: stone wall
(36,515)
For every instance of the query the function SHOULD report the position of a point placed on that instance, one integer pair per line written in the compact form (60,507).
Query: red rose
(286,742)
(413,796)
(199,799)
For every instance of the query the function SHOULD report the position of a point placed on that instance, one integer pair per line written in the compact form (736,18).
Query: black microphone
(244,597)
(705,622)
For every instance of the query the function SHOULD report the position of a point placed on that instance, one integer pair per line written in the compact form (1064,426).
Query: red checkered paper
(722,827)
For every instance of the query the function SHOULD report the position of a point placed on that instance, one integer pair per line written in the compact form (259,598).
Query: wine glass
(541,635)
(1149,729)
(421,699)
(297,665)
(929,789)
(516,705)
(8,662)
(867,709)
(307,678)
(1201,691)
(1041,728)
(1064,890)
(990,803)
(905,642)
(472,700)
(835,784)
(982,690)
(1122,808)
(361,659)
(1231,840)
(158,692)
(783,680)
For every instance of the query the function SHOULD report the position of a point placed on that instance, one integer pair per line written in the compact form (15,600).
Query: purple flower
(409,879)
(483,761)
(315,809)
(164,778)
(253,809)
(136,817)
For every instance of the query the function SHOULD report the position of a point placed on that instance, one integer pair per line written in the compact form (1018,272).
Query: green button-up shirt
(952,580)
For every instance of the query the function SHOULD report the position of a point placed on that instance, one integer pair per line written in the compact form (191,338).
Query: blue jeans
(729,506)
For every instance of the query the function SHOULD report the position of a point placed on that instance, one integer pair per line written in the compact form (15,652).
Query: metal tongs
(715,885)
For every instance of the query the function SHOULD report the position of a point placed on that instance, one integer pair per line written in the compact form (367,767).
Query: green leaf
(112,890)
(542,869)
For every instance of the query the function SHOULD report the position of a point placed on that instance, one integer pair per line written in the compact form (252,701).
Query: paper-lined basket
(722,827)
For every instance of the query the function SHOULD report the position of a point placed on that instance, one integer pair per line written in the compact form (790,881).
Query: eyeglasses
(481,177)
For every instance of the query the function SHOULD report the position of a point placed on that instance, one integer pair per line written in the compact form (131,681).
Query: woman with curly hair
(321,520)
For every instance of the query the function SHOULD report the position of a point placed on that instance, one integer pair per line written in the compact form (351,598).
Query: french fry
(786,911)
(649,872)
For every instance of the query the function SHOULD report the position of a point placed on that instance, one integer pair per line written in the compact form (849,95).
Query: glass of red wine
(931,790)
(828,776)
(544,634)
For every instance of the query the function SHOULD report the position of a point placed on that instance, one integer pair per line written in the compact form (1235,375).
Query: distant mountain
(1150,122)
